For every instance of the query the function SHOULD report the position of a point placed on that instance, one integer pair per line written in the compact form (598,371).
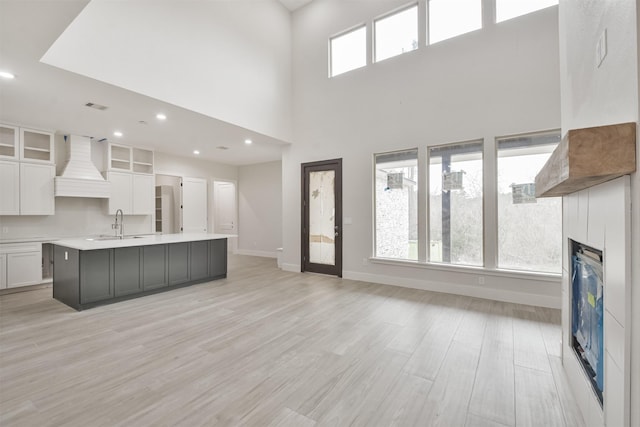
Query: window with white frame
(529,229)
(396,205)
(456,204)
(453,225)
(507,9)
(396,34)
(348,51)
(451,18)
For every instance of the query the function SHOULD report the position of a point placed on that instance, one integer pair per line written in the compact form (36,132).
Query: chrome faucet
(119,227)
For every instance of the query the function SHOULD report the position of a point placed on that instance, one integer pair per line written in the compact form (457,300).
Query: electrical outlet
(480,280)
(365,261)
(5,230)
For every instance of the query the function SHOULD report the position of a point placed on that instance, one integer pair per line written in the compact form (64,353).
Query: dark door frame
(336,165)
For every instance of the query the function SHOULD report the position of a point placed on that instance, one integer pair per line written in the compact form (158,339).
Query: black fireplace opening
(587,317)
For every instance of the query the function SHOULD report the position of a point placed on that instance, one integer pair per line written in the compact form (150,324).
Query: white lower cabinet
(133,193)
(24,269)
(20,264)
(26,188)
(3,271)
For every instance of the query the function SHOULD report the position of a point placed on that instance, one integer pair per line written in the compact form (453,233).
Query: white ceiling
(46,97)
(294,4)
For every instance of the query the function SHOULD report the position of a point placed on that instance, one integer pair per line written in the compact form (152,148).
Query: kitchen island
(96,271)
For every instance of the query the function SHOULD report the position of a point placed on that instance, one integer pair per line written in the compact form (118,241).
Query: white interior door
(194,205)
(225,211)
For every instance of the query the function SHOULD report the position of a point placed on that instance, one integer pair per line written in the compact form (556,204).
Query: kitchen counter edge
(87,245)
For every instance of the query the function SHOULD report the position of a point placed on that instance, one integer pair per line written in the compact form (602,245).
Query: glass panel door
(322,217)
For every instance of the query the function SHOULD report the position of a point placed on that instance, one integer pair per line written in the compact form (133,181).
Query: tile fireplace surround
(600,217)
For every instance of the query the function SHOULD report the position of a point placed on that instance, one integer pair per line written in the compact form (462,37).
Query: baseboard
(264,254)
(294,268)
(457,289)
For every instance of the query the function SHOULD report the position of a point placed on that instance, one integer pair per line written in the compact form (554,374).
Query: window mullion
(490,204)
(423,208)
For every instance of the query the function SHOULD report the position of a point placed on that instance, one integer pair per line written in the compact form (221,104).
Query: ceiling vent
(96,106)
(222,147)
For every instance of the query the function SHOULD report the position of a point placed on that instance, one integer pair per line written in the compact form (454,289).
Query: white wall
(230,60)
(74,217)
(260,209)
(608,94)
(498,81)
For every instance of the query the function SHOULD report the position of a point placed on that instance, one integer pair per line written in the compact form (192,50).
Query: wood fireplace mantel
(587,157)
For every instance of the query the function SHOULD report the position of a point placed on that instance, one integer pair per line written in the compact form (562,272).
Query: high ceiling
(294,4)
(46,97)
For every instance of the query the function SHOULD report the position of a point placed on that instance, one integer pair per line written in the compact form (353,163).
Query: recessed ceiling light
(161,116)
(7,75)
(248,141)
(196,152)
(117,133)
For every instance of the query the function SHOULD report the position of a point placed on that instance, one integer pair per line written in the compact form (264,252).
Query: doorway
(322,217)
(194,205)
(168,213)
(224,207)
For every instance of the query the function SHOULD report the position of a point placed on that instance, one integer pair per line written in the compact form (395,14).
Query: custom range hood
(80,177)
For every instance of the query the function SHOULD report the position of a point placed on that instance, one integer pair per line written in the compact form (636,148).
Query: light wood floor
(270,348)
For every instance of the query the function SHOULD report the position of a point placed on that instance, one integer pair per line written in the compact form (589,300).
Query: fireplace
(590,170)
(587,313)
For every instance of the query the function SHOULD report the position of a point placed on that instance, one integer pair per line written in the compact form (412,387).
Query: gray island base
(91,273)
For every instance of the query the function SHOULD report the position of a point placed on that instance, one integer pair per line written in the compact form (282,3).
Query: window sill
(515,274)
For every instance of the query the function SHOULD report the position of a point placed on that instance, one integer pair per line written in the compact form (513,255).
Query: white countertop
(159,239)
(29,240)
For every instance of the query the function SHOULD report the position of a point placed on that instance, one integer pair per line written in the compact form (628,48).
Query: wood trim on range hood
(587,157)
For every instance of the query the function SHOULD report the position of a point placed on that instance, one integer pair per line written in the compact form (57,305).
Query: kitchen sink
(115,238)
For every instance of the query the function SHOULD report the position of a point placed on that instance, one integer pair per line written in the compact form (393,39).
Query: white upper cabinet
(119,157)
(131,192)
(27,172)
(26,188)
(27,145)
(36,146)
(130,171)
(9,188)
(121,192)
(130,159)
(36,189)
(142,160)
(9,142)
(143,194)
